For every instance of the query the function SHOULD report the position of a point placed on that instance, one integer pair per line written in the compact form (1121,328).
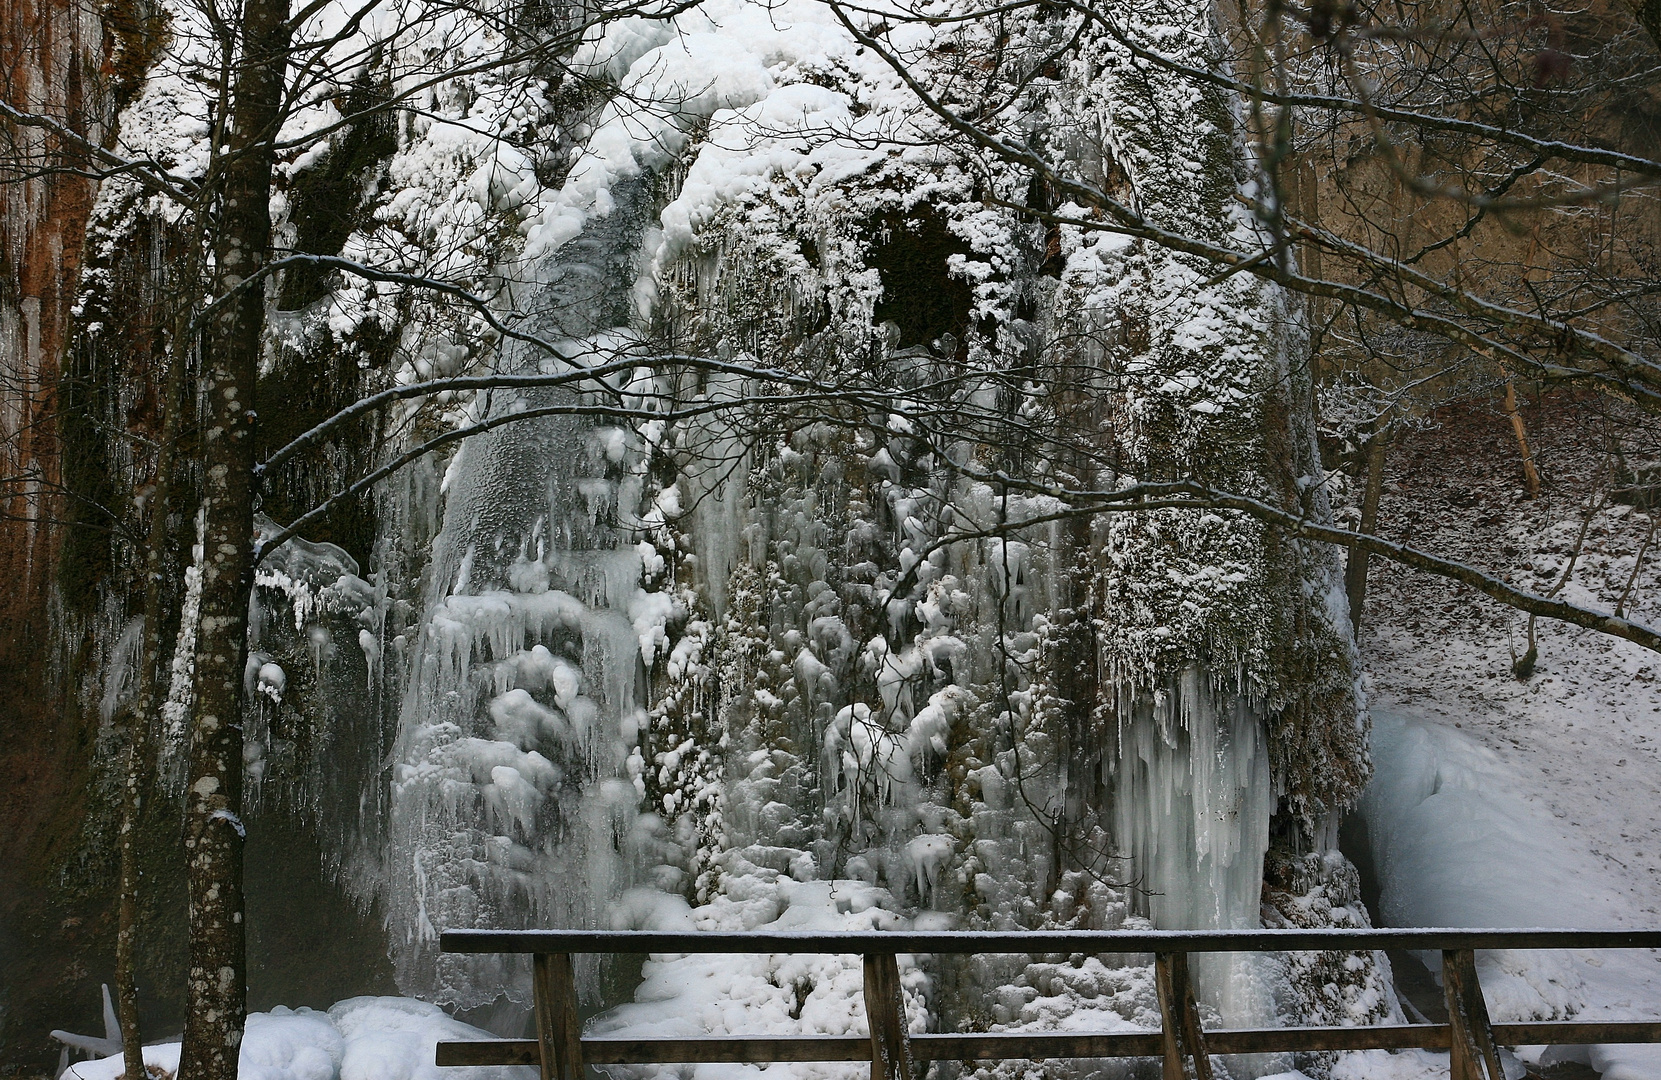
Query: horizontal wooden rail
(562,1053)
(760,1049)
(1036,941)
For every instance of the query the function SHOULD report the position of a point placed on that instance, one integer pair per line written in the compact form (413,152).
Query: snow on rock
(685,996)
(1391,1065)
(521,719)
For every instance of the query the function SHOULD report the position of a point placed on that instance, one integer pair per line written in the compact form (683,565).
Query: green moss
(295,395)
(84,396)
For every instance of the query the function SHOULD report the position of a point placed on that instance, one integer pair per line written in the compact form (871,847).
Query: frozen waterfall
(832,670)
(1193,794)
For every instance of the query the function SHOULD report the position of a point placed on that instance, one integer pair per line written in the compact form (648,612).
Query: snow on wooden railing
(562,1053)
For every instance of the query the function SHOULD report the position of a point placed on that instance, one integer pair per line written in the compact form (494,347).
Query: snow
(1504,802)
(1464,837)
(364,1038)
(682,996)
(1437,793)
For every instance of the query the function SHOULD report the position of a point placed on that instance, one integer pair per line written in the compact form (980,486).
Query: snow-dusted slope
(1506,802)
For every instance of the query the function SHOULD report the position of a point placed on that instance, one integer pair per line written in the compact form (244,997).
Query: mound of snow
(362,1038)
(686,996)
(1458,842)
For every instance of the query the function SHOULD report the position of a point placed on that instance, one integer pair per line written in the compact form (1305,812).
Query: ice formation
(1447,821)
(511,800)
(844,671)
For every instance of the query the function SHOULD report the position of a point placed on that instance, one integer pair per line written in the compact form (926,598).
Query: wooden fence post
(1474,1055)
(558,1031)
(885,1010)
(1179,1018)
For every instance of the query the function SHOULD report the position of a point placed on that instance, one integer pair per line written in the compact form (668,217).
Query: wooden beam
(1035,941)
(885,1011)
(1181,1037)
(758,1050)
(1170,1024)
(488,1052)
(996,1046)
(1003,1046)
(558,1030)
(1475,1056)
(1575,1033)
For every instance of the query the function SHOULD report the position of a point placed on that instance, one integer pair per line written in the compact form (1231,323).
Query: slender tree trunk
(1531,475)
(142,719)
(1355,568)
(216,1001)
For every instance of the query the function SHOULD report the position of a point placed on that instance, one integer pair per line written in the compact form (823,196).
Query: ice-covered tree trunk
(214,832)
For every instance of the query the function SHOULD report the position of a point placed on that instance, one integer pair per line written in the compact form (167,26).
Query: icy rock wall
(715,663)
(963,758)
(1215,386)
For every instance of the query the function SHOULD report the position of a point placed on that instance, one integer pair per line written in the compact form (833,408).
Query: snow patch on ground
(1464,836)
(361,1038)
(800,994)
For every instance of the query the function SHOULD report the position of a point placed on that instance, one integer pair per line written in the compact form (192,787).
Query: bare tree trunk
(1355,568)
(140,776)
(1531,475)
(216,1001)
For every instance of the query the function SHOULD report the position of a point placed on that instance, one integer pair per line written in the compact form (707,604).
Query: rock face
(51,54)
(736,650)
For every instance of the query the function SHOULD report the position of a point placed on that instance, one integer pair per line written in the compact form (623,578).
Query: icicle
(1194,796)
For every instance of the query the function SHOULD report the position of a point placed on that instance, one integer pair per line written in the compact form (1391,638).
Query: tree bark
(1531,475)
(216,993)
(142,720)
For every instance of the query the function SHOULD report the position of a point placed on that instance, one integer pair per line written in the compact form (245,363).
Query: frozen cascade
(1193,797)
(654,673)
(511,805)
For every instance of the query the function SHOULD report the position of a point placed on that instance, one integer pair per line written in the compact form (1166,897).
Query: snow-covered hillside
(1505,802)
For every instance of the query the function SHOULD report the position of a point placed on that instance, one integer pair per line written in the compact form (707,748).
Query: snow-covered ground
(362,1038)
(1504,802)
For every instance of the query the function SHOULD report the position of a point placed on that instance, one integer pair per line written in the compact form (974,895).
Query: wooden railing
(562,1052)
